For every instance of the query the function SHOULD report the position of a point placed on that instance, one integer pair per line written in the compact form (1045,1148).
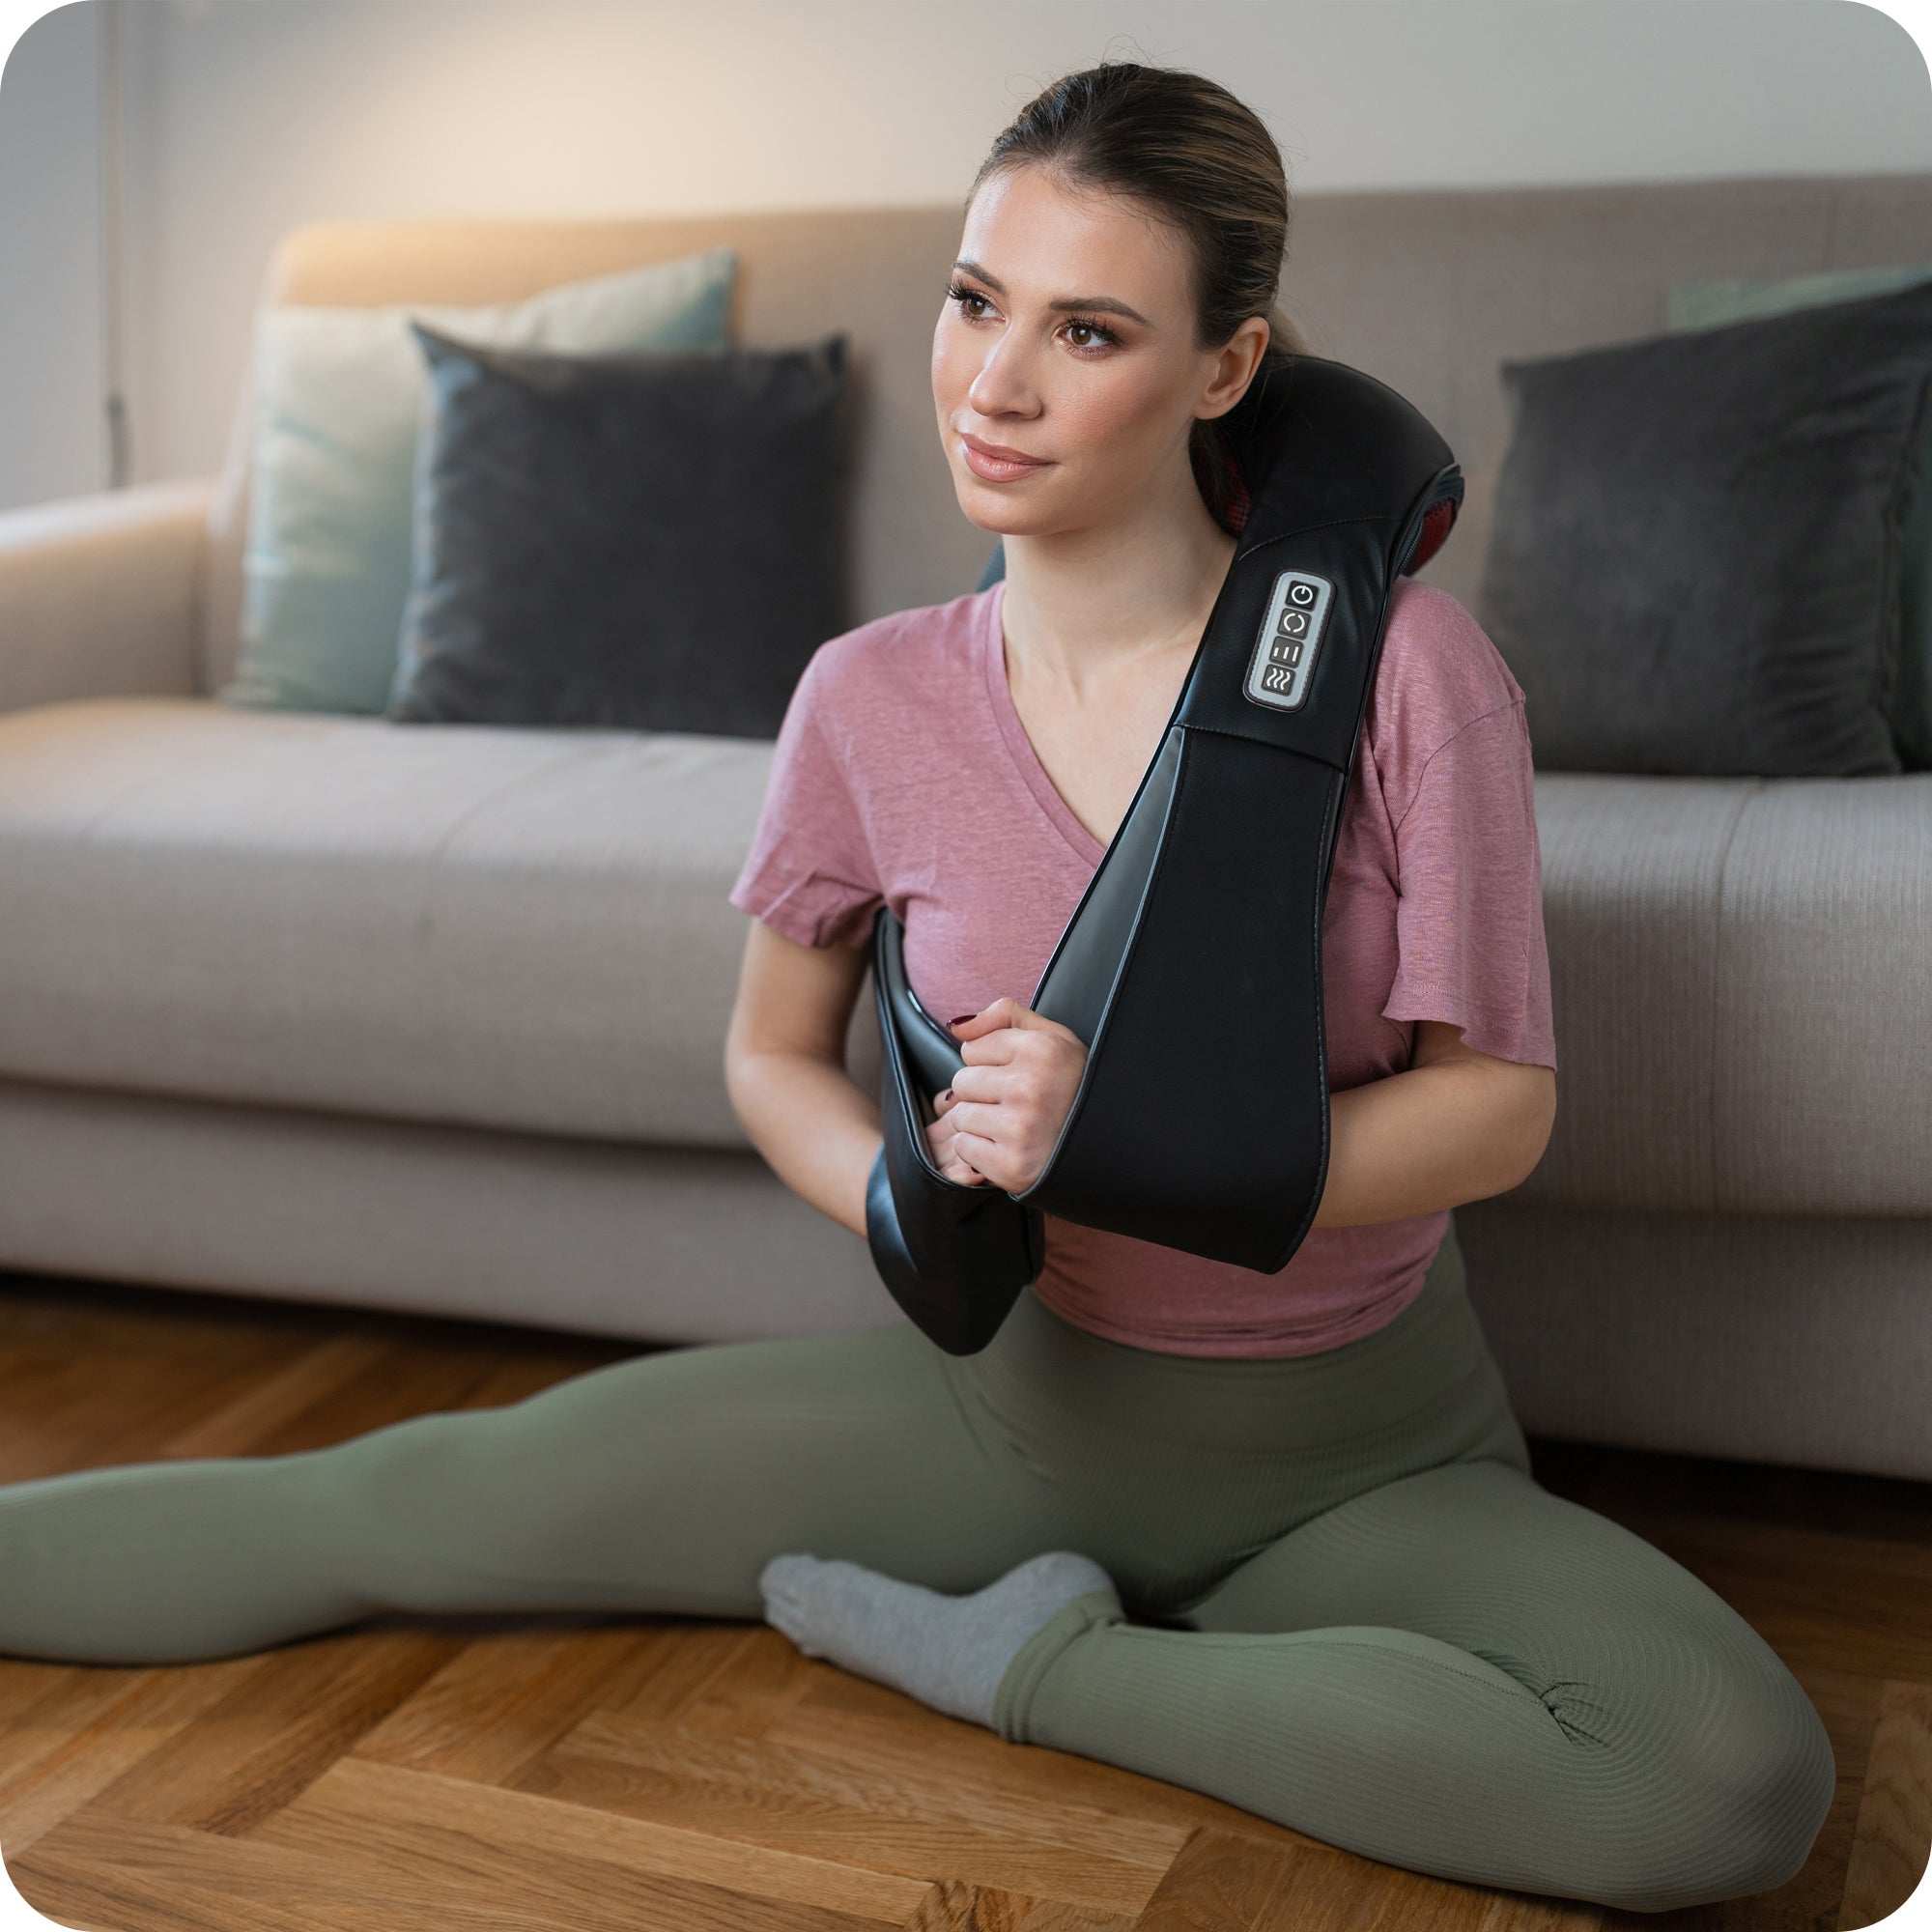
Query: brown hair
(1207,164)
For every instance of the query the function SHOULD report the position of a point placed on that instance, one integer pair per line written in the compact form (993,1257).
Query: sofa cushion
(340,398)
(1699,303)
(477,925)
(1693,568)
(643,541)
(1738,980)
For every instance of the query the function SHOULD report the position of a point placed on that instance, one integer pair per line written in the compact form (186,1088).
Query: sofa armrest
(99,595)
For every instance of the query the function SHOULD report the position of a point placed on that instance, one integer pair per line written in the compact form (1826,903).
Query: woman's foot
(948,1652)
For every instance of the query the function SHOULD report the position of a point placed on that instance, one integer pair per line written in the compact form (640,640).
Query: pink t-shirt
(902,772)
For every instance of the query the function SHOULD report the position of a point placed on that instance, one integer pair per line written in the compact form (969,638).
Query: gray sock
(948,1652)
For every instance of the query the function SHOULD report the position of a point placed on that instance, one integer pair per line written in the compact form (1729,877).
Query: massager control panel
(1284,658)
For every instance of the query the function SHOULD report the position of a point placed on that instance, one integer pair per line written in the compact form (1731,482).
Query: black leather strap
(1192,966)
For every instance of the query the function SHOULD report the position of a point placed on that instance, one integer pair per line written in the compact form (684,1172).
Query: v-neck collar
(1088,849)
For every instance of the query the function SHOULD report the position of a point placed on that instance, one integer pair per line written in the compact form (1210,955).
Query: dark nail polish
(960,1021)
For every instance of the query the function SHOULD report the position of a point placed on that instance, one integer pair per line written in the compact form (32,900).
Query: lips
(996,463)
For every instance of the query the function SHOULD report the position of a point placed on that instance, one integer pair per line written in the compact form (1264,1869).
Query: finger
(1013,1012)
(998,1048)
(974,1149)
(939,1139)
(986,1086)
(978,1080)
(961,1110)
(952,1167)
(1005,1011)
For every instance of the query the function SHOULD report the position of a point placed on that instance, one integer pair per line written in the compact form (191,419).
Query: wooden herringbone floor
(585,1772)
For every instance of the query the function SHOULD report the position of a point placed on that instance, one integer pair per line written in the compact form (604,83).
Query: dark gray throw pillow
(646,541)
(1694,564)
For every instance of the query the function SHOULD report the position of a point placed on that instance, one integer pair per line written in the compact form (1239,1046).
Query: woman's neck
(1081,605)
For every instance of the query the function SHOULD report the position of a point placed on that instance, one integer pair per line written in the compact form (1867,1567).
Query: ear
(1233,368)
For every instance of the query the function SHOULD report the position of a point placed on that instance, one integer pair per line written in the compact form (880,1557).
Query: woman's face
(1068,338)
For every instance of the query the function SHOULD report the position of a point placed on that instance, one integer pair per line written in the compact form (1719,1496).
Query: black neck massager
(1191,968)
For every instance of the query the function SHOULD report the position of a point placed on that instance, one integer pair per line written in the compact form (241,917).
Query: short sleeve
(810,873)
(1470,942)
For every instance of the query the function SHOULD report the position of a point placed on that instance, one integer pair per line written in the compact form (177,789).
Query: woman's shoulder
(1440,672)
(902,650)
(872,687)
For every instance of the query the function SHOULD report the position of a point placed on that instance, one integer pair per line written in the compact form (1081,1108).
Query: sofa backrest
(1429,291)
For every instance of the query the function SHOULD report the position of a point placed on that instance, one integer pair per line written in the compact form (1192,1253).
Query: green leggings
(1348,1606)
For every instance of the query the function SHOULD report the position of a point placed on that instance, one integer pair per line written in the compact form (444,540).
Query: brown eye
(1101,334)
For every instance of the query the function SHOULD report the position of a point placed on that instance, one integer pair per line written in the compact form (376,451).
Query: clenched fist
(999,1118)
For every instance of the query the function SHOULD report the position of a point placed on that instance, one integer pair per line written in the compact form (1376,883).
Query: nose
(1004,386)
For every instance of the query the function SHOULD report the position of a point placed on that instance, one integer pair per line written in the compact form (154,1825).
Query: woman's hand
(998,1119)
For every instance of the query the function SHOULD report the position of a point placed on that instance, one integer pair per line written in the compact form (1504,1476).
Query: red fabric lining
(1436,526)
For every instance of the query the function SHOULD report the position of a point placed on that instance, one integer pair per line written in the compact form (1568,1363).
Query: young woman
(1275,1538)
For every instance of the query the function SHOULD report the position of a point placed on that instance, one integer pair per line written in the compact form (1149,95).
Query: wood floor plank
(83,1387)
(1518,1911)
(95,1374)
(687,1658)
(187,1885)
(925,1823)
(1322,1888)
(763,1679)
(508,1696)
(1056,1914)
(941,1770)
(89,1727)
(860,1724)
(1893,1840)
(361,1811)
(256,1414)
(953,1906)
(509,1378)
(277,1730)
(140,1876)
(1219,1881)
(412,1378)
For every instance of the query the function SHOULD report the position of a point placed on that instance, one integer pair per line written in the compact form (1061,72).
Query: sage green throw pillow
(1710,304)
(340,397)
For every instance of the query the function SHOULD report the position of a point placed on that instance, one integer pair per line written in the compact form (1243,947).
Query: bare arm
(784,1069)
(1454,1125)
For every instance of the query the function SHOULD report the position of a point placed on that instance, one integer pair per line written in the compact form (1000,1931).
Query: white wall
(249,115)
(52,439)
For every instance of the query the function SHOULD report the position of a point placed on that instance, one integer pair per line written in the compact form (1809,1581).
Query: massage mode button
(1284,655)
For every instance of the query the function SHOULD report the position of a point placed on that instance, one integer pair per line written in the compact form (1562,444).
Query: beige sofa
(431,1017)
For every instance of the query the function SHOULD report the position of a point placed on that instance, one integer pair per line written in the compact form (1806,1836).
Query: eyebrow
(1103,302)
